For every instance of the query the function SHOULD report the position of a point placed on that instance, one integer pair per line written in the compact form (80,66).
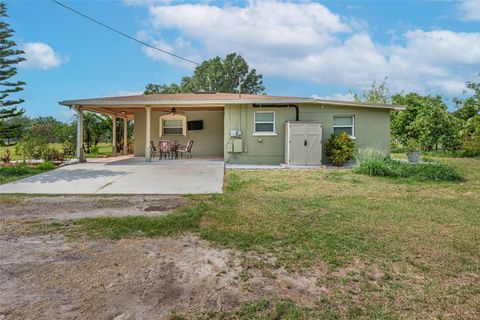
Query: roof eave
(140,103)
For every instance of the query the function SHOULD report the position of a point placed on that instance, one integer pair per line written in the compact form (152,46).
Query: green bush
(31,147)
(47,165)
(471,148)
(50,153)
(94,150)
(340,148)
(375,164)
(16,170)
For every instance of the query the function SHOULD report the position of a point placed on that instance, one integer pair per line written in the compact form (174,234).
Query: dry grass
(389,248)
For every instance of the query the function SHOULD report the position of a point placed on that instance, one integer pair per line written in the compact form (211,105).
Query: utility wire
(124,34)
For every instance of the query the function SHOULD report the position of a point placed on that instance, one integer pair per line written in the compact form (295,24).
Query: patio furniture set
(170,149)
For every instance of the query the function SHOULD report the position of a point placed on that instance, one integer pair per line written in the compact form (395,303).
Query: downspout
(297,112)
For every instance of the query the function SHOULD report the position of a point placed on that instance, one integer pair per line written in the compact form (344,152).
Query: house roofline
(143,103)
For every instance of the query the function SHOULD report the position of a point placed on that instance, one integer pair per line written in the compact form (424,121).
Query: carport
(126,175)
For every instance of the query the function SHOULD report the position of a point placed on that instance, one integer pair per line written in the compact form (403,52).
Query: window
(344,124)
(173,124)
(264,122)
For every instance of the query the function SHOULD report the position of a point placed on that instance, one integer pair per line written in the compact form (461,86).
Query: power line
(124,34)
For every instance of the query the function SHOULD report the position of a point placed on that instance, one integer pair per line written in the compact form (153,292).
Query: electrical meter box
(234,133)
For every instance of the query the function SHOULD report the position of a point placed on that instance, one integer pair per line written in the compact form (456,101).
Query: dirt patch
(48,278)
(74,207)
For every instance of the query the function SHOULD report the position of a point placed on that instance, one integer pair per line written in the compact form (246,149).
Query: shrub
(31,147)
(47,165)
(94,149)
(50,153)
(471,148)
(385,167)
(7,157)
(369,154)
(16,170)
(412,145)
(340,148)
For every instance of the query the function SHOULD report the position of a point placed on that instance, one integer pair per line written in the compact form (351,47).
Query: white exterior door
(304,143)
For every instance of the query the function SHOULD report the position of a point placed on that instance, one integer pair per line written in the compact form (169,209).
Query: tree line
(427,121)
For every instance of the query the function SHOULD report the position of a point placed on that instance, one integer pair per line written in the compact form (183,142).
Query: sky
(323,49)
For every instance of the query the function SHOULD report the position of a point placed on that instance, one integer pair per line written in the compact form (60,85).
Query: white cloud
(179,46)
(470,10)
(307,41)
(145,2)
(40,55)
(337,96)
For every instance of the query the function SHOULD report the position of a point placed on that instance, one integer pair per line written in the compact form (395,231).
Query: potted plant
(413,150)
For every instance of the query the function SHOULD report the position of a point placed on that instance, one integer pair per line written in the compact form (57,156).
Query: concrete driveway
(126,176)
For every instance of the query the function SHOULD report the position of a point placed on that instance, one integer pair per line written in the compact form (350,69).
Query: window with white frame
(344,124)
(173,124)
(264,121)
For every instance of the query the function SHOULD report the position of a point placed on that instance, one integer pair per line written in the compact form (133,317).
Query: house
(243,128)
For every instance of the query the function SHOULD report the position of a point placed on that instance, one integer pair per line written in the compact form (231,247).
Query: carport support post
(125,134)
(114,136)
(148,152)
(80,155)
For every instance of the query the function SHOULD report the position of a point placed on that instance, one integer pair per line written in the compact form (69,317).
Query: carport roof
(208,99)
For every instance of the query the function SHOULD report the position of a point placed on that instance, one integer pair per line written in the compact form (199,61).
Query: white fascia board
(143,103)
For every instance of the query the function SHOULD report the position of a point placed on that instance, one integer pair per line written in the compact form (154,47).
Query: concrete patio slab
(126,176)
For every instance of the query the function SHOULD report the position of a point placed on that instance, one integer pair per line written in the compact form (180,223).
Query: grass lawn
(389,248)
(104,149)
(20,171)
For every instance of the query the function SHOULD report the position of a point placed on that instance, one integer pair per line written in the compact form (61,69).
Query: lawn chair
(165,147)
(153,150)
(186,150)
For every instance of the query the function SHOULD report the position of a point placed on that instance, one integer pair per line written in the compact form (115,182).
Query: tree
(12,129)
(95,128)
(9,57)
(426,120)
(219,75)
(163,88)
(376,94)
(437,127)
(469,107)
(471,128)
(47,127)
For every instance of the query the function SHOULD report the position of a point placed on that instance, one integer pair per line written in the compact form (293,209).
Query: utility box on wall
(235,147)
(303,143)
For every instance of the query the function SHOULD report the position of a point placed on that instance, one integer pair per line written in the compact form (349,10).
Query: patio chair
(175,147)
(165,149)
(186,150)
(153,149)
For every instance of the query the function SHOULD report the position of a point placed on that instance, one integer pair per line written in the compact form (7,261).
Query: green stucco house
(243,128)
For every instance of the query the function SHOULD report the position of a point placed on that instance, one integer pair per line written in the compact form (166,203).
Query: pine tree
(9,57)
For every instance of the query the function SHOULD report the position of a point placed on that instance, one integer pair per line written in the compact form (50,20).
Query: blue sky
(320,49)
